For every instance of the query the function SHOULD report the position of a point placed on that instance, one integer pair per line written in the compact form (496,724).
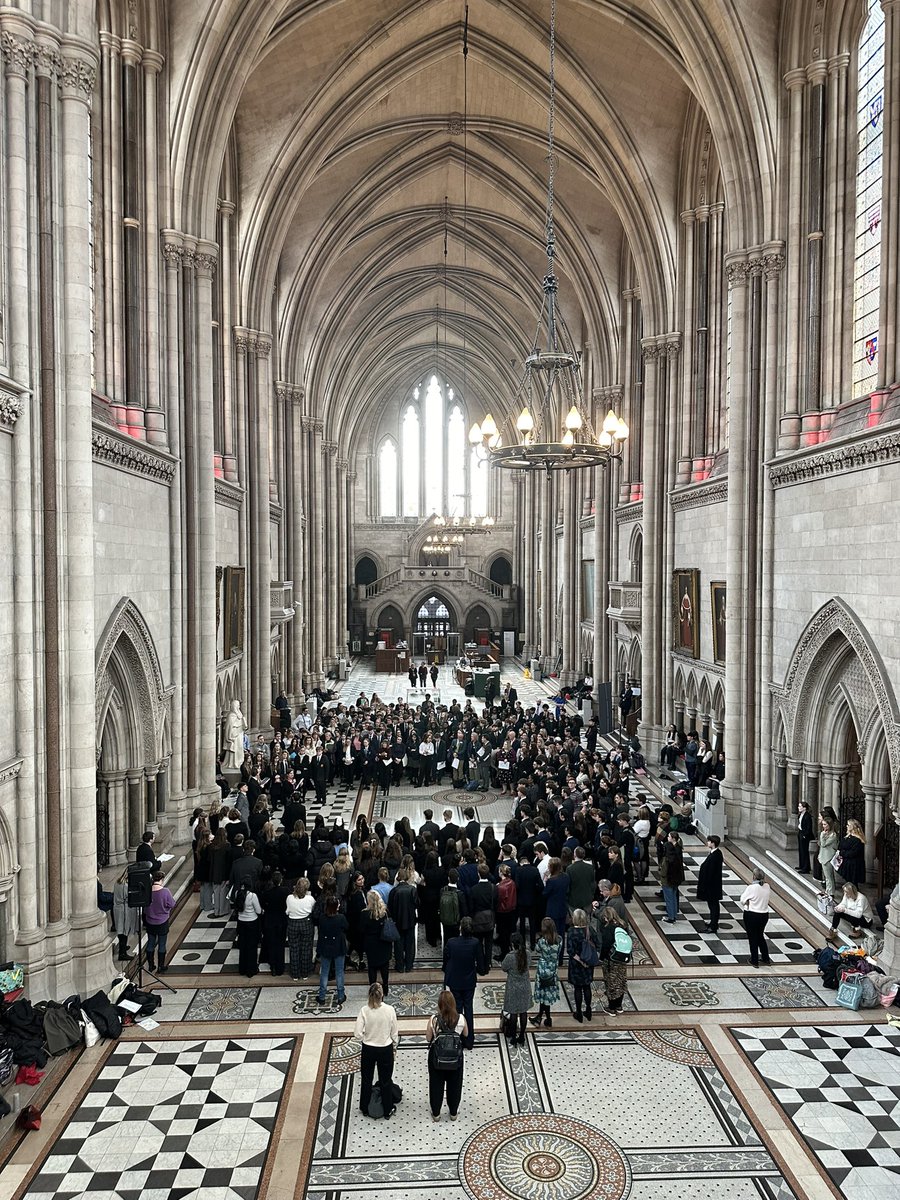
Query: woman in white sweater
(755,903)
(854,908)
(376,1028)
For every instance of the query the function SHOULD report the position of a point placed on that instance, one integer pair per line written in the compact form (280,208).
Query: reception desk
(392,662)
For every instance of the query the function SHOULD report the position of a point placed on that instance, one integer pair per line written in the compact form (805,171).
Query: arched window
(387,479)
(411,459)
(867,266)
(434,448)
(432,469)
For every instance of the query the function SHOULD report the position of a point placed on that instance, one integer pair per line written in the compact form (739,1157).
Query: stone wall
(7,668)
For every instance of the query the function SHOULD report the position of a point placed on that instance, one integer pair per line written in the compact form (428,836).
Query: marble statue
(233,739)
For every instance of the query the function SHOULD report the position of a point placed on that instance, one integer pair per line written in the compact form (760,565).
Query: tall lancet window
(867,267)
(411,462)
(387,479)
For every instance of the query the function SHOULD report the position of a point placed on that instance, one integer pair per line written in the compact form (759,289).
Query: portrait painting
(234,611)
(717,598)
(685,584)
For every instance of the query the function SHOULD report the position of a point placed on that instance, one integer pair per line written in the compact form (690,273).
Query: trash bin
(536,672)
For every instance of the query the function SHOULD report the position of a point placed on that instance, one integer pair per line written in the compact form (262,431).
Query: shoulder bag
(390,932)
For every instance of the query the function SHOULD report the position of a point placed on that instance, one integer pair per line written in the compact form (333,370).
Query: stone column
(672,346)
(570,557)
(111,155)
(136,810)
(317,538)
(118,817)
(837,302)
(795,791)
(877,814)
(789,435)
(229,458)
(77,619)
(262,595)
(173,254)
(529,546)
(330,519)
(689,432)
(162,790)
(780,789)
(150,801)
(297,520)
(155,417)
(548,574)
(341,567)
(30,846)
(655,589)
(811,776)
(715,386)
(889,314)
(245,439)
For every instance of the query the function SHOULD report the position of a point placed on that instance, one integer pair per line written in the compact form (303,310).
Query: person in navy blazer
(463,963)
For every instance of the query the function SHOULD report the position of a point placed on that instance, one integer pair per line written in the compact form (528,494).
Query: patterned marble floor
(533,1123)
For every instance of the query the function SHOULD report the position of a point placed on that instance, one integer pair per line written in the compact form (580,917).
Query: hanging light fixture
(554,432)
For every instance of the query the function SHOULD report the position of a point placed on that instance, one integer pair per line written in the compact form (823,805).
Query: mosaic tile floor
(840,1086)
(532,1125)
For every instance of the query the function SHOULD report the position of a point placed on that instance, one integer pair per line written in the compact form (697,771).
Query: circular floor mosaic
(542,1156)
(345,1055)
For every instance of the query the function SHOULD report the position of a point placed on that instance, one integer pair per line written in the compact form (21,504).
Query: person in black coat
(402,907)
(709,882)
(145,852)
(463,963)
(375,948)
(804,837)
(529,899)
(274,922)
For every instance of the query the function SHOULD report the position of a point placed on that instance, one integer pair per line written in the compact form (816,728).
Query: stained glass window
(387,479)
(867,266)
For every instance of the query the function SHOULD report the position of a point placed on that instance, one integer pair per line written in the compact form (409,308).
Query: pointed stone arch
(128,670)
(836,669)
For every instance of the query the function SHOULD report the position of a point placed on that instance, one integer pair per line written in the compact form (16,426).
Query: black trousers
(464,998)
(440,1082)
(382,1058)
(374,972)
(803,855)
(714,912)
(755,924)
(582,997)
(248,947)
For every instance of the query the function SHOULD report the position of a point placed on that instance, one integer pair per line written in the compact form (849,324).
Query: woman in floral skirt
(546,978)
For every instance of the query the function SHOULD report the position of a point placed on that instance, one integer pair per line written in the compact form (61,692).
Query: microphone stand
(140,961)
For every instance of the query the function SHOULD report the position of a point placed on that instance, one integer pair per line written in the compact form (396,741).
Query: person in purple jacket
(156,922)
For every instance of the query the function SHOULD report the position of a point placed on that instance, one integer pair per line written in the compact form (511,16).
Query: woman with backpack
(546,977)
(445,1033)
(377,1032)
(614,959)
(583,954)
(517,995)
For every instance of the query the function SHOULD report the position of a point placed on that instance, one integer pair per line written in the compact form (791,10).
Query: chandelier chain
(551,138)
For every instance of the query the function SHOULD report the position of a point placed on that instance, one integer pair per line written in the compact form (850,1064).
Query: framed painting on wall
(685,586)
(234,611)
(717,597)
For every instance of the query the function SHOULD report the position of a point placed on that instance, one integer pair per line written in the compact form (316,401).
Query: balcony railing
(438,576)
(282,600)
(625,603)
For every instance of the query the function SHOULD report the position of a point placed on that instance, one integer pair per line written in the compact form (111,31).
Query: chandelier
(436,543)
(467,524)
(550,390)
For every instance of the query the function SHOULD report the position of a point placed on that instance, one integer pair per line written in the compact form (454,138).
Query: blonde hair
(301,887)
(856,830)
(376,995)
(375,905)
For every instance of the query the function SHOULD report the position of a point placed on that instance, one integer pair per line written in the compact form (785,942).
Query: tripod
(140,959)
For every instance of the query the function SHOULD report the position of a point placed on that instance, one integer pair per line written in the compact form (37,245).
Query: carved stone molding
(330,448)
(128,637)
(126,455)
(10,769)
(291,392)
(699,495)
(611,395)
(230,494)
(10,410)
(626,514)
(275,512)
(252,341)
(853,456)
(77,75)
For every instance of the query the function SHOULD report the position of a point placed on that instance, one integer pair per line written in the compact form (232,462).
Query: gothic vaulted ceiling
(391,191)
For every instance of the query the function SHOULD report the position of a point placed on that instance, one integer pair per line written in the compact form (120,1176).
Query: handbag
(545,982)
(509,1025)
(825,905)
(838,861)
(390,932)
(588,953)
(849,993)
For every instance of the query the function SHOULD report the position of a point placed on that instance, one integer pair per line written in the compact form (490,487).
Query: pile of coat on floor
(31,1034)
(857,978)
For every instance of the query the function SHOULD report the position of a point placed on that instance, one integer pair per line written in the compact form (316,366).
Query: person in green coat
(546,976)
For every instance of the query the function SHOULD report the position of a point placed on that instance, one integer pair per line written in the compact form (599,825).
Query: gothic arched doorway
(435,630)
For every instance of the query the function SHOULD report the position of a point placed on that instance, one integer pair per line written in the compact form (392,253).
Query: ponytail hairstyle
(376,995)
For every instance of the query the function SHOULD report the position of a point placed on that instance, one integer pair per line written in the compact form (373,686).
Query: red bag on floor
(29,1118)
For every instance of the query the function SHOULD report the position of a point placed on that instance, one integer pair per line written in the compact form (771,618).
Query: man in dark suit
(529,899)
(709,882)
(318,775)
(449,830)
(294,811)
(430,826)
(463,963)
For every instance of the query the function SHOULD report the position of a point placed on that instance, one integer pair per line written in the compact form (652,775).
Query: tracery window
(429,467)
(867,265)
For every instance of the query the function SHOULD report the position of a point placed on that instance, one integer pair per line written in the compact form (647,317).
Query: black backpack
(446,1049)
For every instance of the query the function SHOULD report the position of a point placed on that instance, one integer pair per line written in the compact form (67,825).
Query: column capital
(838,62)
(263,345)
(611,395)
(343,464)
(795,79)
(817,72)
(110,41)
(172,243)
(132,52)
(10,409)
(330,448)
(203,257)
(688,217)
(152,62)
(737,269)
(226,207)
